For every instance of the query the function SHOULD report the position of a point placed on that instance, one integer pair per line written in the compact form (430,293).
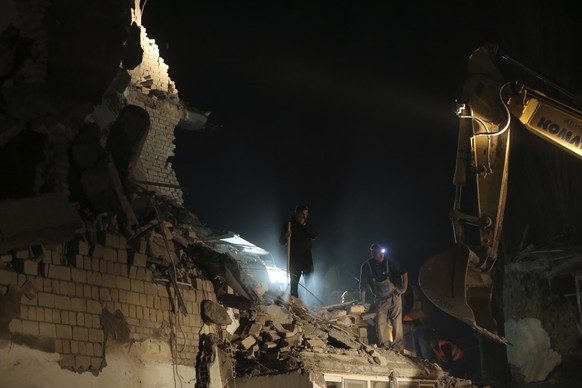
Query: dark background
(345,106)
(349,108)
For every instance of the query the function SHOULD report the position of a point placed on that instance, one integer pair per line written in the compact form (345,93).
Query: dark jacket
(301,237)
(373,272)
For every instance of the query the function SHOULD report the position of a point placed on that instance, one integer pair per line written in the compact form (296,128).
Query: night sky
(345,106)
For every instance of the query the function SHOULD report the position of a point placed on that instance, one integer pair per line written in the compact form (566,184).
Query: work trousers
(296,271)
(389,309)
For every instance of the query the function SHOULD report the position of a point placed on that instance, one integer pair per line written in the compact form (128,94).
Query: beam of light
(277,276)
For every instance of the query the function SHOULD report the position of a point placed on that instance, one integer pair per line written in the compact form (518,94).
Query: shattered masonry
(98,259)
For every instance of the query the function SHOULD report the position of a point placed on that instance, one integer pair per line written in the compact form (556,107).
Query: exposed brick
(78,261)
(78,247)
(48,329)
(96,335)
(108,281)
(78,304)
(113,268)
(59,272)
(150,288)
(66,347)
(110,254)
(72,317)
(94,307)
(28,313)
(29,302)
(65,318)
(104,294)
(48,315)
(26,266)
(79,275)
(62,302)
(74,347)
(80,333)
(67,361)
(137,285)
(108,240)
(123,283)
(122,256)
(97,251)
(15,326)
(138,259)
(30,327)
(79,291)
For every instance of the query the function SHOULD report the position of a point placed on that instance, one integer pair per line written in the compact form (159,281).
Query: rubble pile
(275,335)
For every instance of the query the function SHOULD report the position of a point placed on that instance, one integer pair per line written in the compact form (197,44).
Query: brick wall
(152,89)
(68,292)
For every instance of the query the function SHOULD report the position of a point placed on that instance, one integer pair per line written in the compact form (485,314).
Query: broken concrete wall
(540,322)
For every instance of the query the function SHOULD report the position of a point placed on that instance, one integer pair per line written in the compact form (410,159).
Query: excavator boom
(460,281)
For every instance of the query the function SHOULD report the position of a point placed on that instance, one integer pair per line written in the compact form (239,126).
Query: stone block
(79,275)
(122,256)
(123,283)
(108,239)
(80,333)
(59,272)
(78,304)
(78,247)
(248,342)
(113,268)
(62,302)
(138,259)
(78,261)
(46,300)
(15,326)
(110,254)
(30,327)
(94,307)
(48,329)
(26,266)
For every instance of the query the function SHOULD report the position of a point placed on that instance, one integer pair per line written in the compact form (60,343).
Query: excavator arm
(460,280)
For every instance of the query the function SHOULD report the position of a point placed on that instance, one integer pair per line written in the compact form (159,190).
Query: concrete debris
(213,312)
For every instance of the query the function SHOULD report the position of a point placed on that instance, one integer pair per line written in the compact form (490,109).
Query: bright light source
(277,275)
(383,250)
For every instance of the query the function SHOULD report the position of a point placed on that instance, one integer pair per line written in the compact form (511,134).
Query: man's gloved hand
(399,291)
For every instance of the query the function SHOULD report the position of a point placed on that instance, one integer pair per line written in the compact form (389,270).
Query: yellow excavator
(460,280)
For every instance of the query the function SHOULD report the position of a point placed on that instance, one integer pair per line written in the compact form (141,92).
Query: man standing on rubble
(299,233)
(387,280)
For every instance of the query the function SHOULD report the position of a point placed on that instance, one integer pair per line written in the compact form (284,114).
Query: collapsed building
(105,278)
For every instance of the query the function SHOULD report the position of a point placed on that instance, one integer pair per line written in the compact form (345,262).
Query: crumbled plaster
(530,349)
(127,367)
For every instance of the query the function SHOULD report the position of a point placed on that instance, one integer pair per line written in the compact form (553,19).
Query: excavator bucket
(453,282)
